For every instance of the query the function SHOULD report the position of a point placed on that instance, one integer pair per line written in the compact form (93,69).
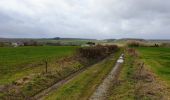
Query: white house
(14,44)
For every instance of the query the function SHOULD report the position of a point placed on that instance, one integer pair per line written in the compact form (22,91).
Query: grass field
(83,85)
(20,61)
(158,59)
(16,63)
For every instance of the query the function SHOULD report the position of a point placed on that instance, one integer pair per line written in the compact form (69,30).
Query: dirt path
(41,95)
(101,91)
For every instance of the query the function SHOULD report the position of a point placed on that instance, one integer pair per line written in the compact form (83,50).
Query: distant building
(14,44)
(20,43)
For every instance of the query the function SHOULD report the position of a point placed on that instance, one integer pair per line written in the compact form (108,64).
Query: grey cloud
(85,18)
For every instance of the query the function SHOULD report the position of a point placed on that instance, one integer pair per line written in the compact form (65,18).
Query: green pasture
(19,61)
(158,59)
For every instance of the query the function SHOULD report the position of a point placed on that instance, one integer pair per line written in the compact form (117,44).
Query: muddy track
(101,91)
(42,94)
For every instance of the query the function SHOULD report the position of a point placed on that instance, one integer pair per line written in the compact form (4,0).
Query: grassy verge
(30,85)
(83,85)
(138,81)
(124,89)
(158,60)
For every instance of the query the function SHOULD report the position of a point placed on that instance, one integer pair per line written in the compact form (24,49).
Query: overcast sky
(85,18)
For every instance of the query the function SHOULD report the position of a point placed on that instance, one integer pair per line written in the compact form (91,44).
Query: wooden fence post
(45,61)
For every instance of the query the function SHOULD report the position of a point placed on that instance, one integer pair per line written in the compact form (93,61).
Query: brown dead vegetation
(137,82)
(135,43)
(97,52)
(132,52)
(147,84)
(60,69)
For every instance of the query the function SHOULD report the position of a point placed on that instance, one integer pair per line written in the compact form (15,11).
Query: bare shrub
(132,52)
(97,52)
(136,44)
(1,44)
(165,45)
(32,43)
(4,44)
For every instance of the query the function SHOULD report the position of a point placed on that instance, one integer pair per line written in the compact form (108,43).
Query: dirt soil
(149,86)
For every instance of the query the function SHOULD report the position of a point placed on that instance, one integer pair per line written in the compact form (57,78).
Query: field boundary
(45,92)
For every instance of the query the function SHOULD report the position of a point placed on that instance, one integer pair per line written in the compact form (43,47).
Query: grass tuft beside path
(125,89)
(140,81)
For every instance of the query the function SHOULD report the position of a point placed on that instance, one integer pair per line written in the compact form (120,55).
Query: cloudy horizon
(96,19)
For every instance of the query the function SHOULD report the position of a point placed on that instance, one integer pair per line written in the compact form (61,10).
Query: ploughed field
(158,59)
(18,62)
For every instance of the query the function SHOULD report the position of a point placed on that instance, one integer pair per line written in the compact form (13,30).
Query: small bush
(32,43)
(112,48)
(4,44)
(165,45)
(133,44)
(1,44)
(137,44)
